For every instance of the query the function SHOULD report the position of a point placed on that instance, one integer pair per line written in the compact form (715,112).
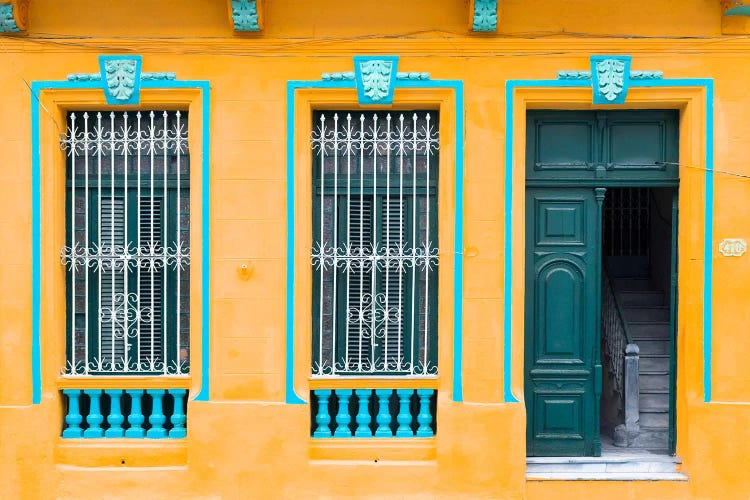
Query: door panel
(562,326)
(602,148)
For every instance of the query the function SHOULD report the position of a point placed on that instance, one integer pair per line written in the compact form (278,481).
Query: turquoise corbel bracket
(375,78)
(121,77)
(484,15)
(246,15)
(14,16)
(610,78)
(735,8)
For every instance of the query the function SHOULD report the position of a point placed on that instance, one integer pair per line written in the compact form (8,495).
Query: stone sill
(121,453)
(373,450)
(124,382)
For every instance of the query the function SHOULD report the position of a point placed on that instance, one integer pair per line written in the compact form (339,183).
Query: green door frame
(597,173)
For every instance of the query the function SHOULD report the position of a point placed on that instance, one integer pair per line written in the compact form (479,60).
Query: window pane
(127,250)
(375,243)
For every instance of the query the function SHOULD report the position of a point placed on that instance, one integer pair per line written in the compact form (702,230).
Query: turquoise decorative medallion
(121,77)
(120,74)
(610,78)
(485,16)
(375,78)
(245,15)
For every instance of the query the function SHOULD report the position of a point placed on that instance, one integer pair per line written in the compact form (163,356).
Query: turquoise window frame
(457,86)
(203,232)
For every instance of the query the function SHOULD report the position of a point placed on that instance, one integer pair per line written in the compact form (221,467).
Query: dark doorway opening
(638,318)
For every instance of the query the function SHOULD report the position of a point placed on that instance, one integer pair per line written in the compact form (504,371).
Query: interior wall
(660,235)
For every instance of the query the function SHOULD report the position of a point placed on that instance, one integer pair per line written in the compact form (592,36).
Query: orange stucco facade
(246,441)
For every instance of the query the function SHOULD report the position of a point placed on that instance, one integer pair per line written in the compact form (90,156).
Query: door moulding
(694,98)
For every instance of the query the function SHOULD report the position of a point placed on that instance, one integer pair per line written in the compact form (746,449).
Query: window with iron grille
(375,255)
(127,243)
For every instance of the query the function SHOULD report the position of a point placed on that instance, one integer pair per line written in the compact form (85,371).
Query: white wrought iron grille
(127,243)
(375,249)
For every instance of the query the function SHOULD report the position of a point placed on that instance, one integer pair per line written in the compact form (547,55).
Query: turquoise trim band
(708,84)
(457,86)
(36,227)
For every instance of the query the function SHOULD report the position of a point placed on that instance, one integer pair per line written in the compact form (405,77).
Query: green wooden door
(563,371)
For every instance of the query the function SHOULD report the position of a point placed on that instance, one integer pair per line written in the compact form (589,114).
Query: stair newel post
(631,390)
(599,194)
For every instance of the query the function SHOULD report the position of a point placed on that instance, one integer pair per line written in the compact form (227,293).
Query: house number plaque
(732,247)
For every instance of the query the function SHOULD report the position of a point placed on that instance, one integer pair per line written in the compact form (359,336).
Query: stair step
(633,284)
(646,313)
(654,419)
(651,439)
(653,400)
(653,346)
(658,362)
(650,329)
(641,298)
(653,382)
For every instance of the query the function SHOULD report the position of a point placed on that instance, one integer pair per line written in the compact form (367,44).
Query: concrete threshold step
(635,466)
(620,457)
(605,476)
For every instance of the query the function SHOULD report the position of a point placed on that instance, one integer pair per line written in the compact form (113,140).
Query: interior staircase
(646,313)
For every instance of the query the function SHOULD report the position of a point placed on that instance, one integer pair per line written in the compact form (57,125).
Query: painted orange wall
(246,443)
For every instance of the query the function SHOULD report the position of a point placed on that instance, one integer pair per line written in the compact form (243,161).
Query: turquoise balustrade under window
(125,413)
(373,413)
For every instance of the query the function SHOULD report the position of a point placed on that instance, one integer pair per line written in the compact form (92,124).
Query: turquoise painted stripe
(508,396)
(708,83)
(36,229)
(291,396)
(36,223)
(708,246)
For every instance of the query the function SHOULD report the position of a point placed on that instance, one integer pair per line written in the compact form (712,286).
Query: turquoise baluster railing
(323,418)
(157,418)
(95,417)
(380,411)
(363,413)
(424,418)
(178,415)
(343,419)
(136,418)
(119,422)
(74,418)
(384,415)
(115,418)
(404,413)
